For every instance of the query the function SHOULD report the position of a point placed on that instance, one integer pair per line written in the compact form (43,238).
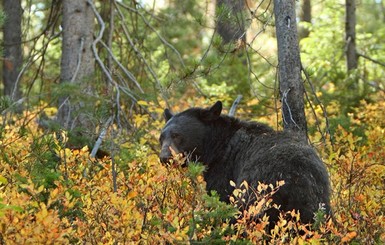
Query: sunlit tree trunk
(350,29)
(12,61)
(290,82)
(231,23)
(305,16)
(77,62)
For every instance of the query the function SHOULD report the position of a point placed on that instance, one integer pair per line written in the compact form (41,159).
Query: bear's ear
(214,112)
(167,114)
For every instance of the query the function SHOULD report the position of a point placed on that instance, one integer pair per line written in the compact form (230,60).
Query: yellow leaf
(50,111)
(236,192)
(132,194)
(139,119)
(85,149)
(245,184)
(142,141)
(3,180)
(142,102)
(40,189)
(232,183)
(54,193)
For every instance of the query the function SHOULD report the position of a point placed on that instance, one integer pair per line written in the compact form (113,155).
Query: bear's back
(272,156)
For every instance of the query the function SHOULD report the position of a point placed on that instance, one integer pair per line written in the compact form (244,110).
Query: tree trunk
(231,25)
(382,10)
(13,60)
(350,29)
(305,16)
(107,13)
(77,62)
(290,82)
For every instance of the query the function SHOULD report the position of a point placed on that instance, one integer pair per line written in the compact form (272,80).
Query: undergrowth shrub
(49,193)
(357,169)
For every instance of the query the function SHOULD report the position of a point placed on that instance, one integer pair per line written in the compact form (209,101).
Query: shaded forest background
(81,115)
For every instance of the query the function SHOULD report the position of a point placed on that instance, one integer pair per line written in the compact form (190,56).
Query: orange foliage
(155,204)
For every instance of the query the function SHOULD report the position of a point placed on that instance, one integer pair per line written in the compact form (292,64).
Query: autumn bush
(53,194)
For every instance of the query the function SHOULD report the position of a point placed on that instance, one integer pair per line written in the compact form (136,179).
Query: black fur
(238,150)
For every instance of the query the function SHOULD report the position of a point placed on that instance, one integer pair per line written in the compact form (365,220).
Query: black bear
(236,150)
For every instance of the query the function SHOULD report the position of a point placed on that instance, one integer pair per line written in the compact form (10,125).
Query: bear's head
(185,132)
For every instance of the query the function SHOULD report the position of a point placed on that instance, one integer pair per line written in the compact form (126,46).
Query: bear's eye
(175,135)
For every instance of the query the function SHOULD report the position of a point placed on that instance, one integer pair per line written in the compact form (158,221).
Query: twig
(154,30)
(285,103)
(138,53)
(99,141)
(111,31)
(327,130)
(27,65)
(134,47)
(79,60)
(371,59)
(114,173)
(350,183)
(128,73)
(97,39)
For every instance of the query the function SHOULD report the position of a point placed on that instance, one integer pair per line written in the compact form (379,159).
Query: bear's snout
(165,154)
(165,157)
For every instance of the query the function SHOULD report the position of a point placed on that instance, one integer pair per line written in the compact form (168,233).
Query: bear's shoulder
(256,128)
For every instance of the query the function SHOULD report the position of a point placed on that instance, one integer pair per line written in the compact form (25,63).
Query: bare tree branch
(234,106)
(111,55)
(101,136)
(154,30)
(371,59)
(98,39)
(128,73)
(327,129)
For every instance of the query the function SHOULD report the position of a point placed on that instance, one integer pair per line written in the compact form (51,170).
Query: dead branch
(101,136)
(371,59)
(234,106)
